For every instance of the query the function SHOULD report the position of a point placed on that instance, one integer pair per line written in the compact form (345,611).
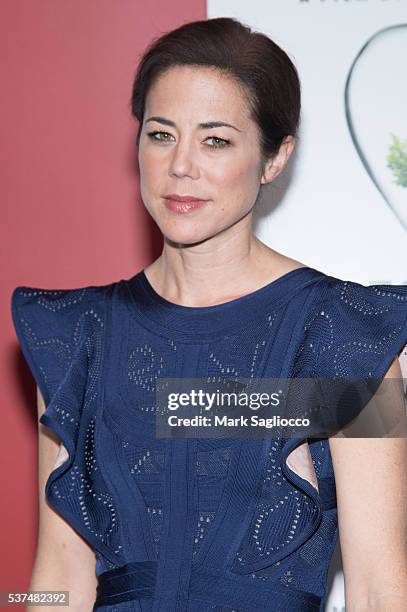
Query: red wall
(71,211)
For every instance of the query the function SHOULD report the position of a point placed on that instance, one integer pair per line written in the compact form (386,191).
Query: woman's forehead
(201,91)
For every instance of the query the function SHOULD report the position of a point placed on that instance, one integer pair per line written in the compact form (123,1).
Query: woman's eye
(220,143)
(153,135)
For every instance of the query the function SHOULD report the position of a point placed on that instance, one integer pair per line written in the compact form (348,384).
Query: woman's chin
(188,236)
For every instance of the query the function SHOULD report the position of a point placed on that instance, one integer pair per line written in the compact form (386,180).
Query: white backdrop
(326,210)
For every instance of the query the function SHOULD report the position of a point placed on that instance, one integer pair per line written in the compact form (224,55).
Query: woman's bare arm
(64,561)
(371,481)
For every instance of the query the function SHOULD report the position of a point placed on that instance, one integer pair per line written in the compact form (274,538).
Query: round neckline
(213,307)
(206,322)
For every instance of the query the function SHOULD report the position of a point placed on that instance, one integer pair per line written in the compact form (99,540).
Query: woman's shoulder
(59,299)
(356,329)
(59,308)
(57,328)
(362,300)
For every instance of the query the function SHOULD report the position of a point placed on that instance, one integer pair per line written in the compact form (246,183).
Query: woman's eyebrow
(203,126)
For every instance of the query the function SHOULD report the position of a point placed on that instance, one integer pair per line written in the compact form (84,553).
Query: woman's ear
(277,162)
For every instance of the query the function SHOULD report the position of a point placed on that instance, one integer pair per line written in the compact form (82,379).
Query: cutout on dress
(62,456)
(403,361)
(300,462)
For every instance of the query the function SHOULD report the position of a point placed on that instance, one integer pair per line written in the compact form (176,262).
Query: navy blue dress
(197,525)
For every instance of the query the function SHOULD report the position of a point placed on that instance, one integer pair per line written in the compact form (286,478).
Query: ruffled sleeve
(350,332)
(62,336)
(52,327)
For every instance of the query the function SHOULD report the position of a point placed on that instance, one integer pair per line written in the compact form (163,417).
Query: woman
(208,524)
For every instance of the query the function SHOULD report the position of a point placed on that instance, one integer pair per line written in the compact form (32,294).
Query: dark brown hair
(266,73)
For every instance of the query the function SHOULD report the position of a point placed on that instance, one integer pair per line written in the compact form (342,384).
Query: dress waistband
(136,580)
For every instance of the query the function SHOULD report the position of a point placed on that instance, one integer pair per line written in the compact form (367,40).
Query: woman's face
(178,156)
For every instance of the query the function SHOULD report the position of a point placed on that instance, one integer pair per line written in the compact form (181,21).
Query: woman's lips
(185,206)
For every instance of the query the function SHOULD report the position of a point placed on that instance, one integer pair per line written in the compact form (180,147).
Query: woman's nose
(183,161)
